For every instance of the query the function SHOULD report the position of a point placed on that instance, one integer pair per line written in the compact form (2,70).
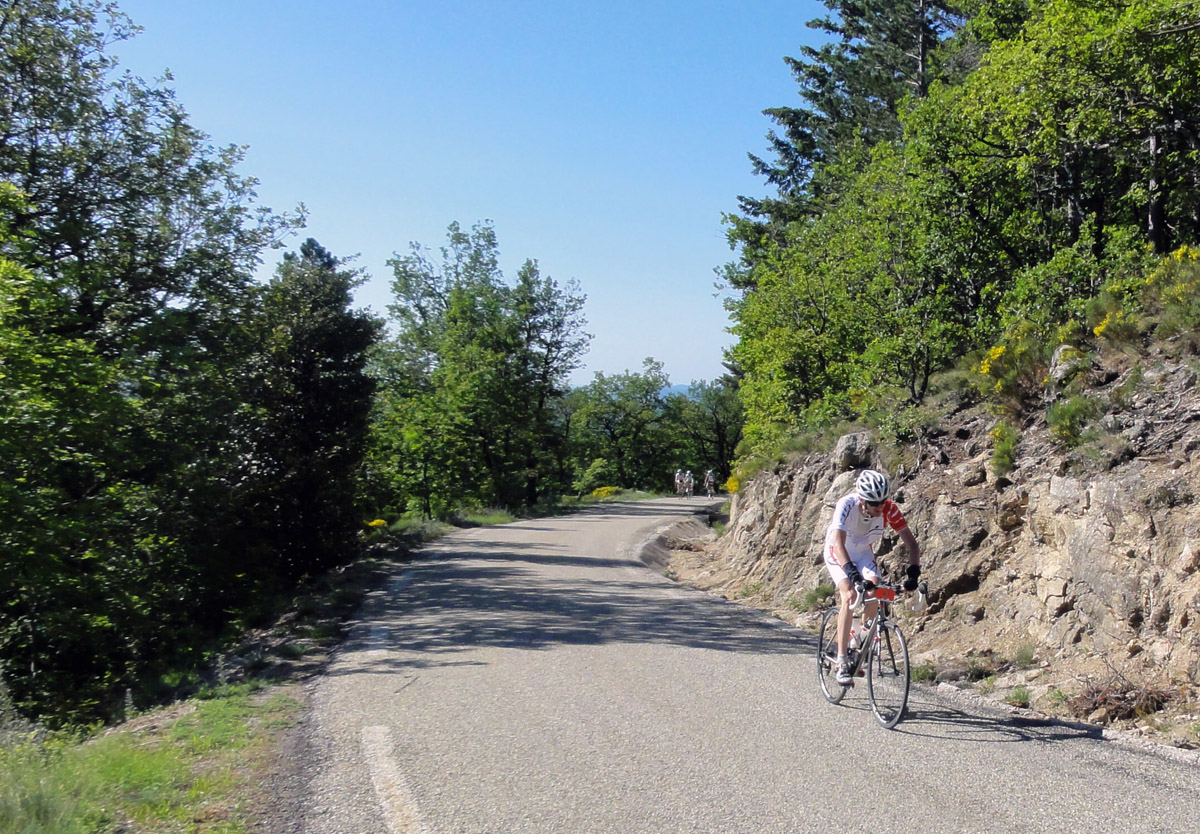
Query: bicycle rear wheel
(888,676)
(827,658)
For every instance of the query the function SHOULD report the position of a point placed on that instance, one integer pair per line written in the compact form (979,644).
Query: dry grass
(1116,698)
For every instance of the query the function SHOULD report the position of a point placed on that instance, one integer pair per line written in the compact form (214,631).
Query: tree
(1010,197)
(77,595)
(707,422)
(131,254)
(620,417)
(486,363)
(881,53)
(128,204)
(307,403)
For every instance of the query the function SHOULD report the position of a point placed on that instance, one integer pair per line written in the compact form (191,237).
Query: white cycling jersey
(861,530)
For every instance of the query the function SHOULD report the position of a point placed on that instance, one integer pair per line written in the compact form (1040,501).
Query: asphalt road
(536,678)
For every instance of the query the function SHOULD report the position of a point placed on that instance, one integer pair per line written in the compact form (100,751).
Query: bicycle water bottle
(854,632)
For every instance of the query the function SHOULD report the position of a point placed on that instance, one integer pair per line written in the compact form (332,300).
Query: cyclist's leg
(865,562)
(846,599)
(870,573)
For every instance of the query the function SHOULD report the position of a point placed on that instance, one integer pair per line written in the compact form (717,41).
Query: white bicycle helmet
(871,486)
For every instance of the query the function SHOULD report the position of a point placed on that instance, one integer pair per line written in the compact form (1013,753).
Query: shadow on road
(929,716)
(936,719)
(506,599)
(542,597)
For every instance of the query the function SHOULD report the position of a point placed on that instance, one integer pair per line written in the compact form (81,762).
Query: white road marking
(391,788)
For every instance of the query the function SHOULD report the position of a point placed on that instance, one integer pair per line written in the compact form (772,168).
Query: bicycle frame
(883,653)
(868,642)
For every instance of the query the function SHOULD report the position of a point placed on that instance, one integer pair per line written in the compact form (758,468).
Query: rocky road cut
(536,677)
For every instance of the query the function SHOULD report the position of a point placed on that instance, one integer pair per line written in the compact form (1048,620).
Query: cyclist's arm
(839,548)
(914,550)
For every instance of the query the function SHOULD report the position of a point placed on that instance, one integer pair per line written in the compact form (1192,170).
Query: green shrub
(1114,315)
(1044,296)
(598,473)
(1175,287)
(1068,419)
(950,389)
(899,423)
(1005,440)
(1011,372)
(1170,495)
(1116,327)
(752,589)
(979,668)
(1025,656)
(1121,395)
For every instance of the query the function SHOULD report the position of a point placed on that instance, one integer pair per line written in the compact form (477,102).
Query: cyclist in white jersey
(859,520)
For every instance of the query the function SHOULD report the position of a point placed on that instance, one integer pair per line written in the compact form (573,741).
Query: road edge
(653,552)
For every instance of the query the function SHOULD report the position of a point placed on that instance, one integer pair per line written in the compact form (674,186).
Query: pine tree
(880,52)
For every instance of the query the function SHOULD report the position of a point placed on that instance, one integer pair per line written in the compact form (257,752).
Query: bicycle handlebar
(861,589)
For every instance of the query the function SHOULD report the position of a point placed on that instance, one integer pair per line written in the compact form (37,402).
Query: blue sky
(603,139)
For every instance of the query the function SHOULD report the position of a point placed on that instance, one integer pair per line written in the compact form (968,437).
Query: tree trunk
(922,49)
(1156,225)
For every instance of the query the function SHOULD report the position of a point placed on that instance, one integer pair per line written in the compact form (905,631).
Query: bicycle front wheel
(888,676)
(827,657)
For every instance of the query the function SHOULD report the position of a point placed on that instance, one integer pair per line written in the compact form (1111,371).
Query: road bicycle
(881,654)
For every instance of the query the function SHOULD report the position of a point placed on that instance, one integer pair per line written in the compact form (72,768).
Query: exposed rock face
(1091,558)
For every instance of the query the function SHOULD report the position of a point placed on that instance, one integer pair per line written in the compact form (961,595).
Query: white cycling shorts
(865,562)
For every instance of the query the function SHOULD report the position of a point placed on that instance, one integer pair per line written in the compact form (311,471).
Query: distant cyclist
(859,520)
(710,483)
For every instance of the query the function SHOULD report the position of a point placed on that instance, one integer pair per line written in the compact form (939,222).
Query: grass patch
(1171,495)
(1019,697)
(923,673)
(417,529)
(484,518)
(570,502)
(753,589)
(812,600)
(173,773)
(1025,656)
(321,632)
(294,651)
